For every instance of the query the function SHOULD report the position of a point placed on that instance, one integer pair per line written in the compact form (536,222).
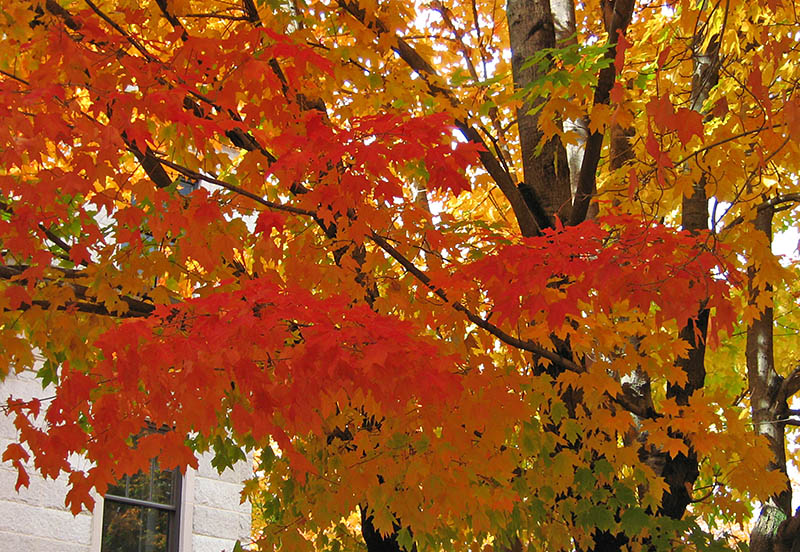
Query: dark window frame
(174,509)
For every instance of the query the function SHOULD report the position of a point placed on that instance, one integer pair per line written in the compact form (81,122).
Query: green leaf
(645,76)
(485,107)
(493,80)
(398,440)
(459,77)
(597,516)
(404,539)
(634,520)
(572,430)
(624,494)
(585,479)
(604,467)
(48,373)
(267,459)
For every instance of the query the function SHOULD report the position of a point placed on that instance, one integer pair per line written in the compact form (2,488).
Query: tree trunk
(768,405)
(617,15)
(764,534)
(531,28)
(681,471)
(564,21)
(788,535)
(565,31)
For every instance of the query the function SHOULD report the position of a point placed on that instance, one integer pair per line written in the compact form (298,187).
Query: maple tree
(463,275)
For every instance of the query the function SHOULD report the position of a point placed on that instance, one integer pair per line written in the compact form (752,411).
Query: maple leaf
(267,221)
(688,123)
(78,495)
(17,455)
(622,44)
(16,296)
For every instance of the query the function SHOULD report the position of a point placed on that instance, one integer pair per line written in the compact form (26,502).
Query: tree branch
(154,167)
(81,306)
(531,216)
(55,9)
(774,202)
(84,303)
(238,137)
(252,12)
(525,345)
(52,236)
(623,9)
(135,43)
(174,21)
(150,163)
(791,385)
(236,189)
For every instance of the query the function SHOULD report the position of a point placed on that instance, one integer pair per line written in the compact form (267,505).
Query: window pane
(120,489)
(154,486)
(163,485)
(129,528)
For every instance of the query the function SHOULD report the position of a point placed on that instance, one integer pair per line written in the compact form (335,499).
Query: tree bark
(617,16)
(681,471)
(768,405)
(565,31)
(763,536)
(531,28)
(564,21)
(788,538)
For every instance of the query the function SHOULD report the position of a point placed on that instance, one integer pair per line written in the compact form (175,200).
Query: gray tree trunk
(768,407)
(564,21)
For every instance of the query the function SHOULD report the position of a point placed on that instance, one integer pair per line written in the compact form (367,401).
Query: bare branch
(791,385)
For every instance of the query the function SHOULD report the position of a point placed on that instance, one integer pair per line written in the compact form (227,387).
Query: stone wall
(36,519)
(217,514)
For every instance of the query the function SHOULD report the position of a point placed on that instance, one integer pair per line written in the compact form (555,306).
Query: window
(140,512)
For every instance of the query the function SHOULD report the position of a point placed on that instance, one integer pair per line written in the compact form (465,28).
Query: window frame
(175,510)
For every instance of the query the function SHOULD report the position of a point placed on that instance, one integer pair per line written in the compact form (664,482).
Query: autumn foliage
(319,232)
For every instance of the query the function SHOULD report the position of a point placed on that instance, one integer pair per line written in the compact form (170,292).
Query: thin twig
(135,43)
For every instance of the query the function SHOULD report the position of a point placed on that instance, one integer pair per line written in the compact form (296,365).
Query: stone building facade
(208,516)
